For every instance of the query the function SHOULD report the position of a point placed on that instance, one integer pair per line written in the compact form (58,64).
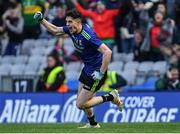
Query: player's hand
(38,16)
(97,75)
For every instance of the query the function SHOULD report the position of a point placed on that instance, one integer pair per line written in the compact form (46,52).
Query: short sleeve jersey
(86,44)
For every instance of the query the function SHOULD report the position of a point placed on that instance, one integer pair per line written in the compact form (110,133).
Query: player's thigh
(80,87)
(83,97)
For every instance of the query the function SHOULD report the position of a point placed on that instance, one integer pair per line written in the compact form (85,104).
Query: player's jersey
(86,44)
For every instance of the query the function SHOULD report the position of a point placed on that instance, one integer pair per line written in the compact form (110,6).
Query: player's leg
(88,112)
(80,86)
(86,98)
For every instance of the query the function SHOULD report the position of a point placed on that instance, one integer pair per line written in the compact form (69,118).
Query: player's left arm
(106,57)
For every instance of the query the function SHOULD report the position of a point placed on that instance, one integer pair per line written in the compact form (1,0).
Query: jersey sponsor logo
(23,111)
(140,109)
(70,112)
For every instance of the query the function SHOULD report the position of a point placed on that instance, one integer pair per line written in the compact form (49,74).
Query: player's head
(73,21)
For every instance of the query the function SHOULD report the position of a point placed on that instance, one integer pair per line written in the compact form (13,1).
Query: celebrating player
(96,57)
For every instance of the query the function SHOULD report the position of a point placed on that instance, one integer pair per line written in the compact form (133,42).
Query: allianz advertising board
(53,108)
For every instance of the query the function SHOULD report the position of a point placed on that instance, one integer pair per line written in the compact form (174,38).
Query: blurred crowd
(150,29)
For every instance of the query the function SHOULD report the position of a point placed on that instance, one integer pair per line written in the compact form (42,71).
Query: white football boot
(90,126)
(117,99)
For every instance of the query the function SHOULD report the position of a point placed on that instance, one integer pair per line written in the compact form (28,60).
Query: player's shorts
(89,83)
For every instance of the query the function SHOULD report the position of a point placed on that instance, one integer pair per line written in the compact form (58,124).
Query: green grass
(106,128)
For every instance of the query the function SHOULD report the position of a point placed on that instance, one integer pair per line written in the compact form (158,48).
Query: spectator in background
(172,55)
(59,20)
(53,77)
(92,4)
(177,20)
(2,30)
(51,11)
(103,19)
(4,5)
(176,56)
(139,55)
(16,4)
(113,4)
(144,15)
(170,82)
(146,10)
(113,81)
(14,23)
(32,28)
(161,6)
(60,17)
(159,32)
(1,34)
(60,50)
(128,21)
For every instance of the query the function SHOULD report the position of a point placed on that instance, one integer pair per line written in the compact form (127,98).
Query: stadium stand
(132,65)
(73,66)
(72,75)
(22,59)
(17,69)
(116,66)
(5,69)
(8,60)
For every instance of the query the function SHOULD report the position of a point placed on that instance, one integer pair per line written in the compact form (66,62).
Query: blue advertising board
(53,108)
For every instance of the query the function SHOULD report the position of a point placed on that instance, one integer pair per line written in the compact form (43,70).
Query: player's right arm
(50,27)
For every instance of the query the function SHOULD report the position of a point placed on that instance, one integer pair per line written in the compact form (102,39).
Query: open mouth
(70,28)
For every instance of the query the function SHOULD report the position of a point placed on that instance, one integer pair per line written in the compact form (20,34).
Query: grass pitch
(106,128)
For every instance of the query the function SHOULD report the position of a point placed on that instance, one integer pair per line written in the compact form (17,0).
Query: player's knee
(80,105)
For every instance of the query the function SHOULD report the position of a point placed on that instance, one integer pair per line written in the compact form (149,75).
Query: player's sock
(92,120)
(107,97)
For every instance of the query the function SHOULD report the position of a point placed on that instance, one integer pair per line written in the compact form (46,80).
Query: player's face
(72,24)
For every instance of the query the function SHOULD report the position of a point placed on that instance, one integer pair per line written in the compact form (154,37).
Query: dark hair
(140,31)
(74,14)
(55,56)
(126,7)
(173,67)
